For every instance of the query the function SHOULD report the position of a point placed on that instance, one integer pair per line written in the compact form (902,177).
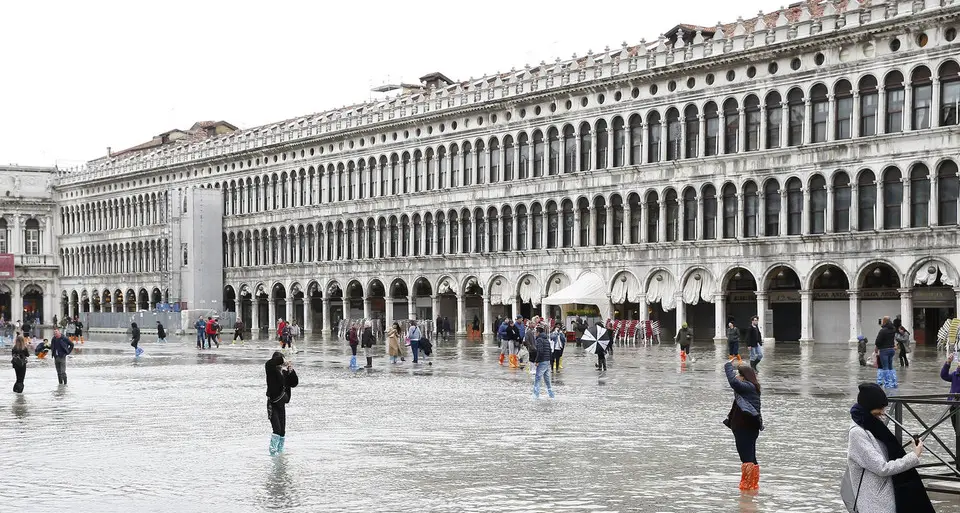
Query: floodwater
(182,430)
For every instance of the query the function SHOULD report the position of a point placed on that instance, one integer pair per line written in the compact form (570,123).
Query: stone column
(699,223)
(271,313)
(325,317)
(855,123)
(881,109)
(16,306)
(663,140)
(376,249)
(806,316)
(592,226)
(854,207)
(854,314)
(627,237)
(761,214)
(609,229)
(907,108)
(763,126)
(805,213)
(783,211)
(784,124)
(741,219)
(411,307)
(366,308)
(831,117)
(935,107)
(828,215)
(388,318)
(763,300)
(906,309)
(905,204)
(933,211)
(681,219)
(721,133)
(681,310)
(461,326)
(662,223)
(720,318)
(307,314)
(434,306)
(642,231)
(515,306)
(576,227)
(254,315)
(485,322)
(741,130)
(702,136)
(642,305)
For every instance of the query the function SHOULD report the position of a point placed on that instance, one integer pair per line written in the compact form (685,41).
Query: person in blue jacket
(201,327)
(61,346)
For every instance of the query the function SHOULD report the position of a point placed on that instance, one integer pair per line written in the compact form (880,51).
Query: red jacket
(280,327)
(211,330)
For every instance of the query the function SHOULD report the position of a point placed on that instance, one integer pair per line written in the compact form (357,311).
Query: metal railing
(930,412)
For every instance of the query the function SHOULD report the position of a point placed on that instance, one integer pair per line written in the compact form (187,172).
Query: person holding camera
(281,377)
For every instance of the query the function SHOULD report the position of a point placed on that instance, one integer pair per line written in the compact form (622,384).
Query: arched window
(603,142)
(4,236)
(919,196)
(841,202)
(771,208)
(673,134)
(796,116)
(506,228)
(774,119)
(892,198)
(731,115)
(673,215)
(567,223)
(713,129)
(523,148)
(751,209)
(553,151)
(894,90)
(394,174)
(948,190)
(751,107)
(653,216)
(569,150)
(689,214)
(419,171)
(619,142)
(431,170)
(361,179)
(442,180)
(468,158)
(494,161)
(869,103)
(794,207)
(538,153)
(818,204)
(654,130)
(509,158)
(709,213)
(866,201)
(585,147)
(729,211)
(481,162)
(843,96)
(821,110)
(636,140)
(418,234)
(553,225)
(949,93)
(691,120)
(922,97)
(31,237)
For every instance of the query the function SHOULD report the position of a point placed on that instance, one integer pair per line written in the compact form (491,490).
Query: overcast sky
(80,76)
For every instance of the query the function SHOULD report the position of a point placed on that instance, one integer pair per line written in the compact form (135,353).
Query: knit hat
(872,396)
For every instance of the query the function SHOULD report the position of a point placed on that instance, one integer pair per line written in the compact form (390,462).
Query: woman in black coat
(280,379)
(20,354)
(161,333)
(135,336)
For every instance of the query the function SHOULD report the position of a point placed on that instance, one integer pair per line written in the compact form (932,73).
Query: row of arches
(893,197)
(116,213)
(75,302)
(121,258)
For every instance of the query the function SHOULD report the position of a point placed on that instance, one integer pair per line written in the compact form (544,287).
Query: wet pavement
(182,430)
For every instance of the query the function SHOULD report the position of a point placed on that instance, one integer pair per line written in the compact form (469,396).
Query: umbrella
(598,337)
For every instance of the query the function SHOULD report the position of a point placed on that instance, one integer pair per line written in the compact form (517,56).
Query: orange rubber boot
(683,356)
(514,361)
(501,358)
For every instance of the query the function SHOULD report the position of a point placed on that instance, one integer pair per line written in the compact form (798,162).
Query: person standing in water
(366,342)
(394,348)
(755,342)
(414,334)
(61,347)
(684,338)
(542,361)
(281,377)
(745,421)
(20,354)
(558,339)
(161,333)
(733,341)
(201,328)
(135,336)
(903,345)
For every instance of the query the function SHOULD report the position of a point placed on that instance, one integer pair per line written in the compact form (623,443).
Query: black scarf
(908,490)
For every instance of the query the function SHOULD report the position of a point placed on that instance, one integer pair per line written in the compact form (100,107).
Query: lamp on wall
(780,274)
(557,281)
(497,282)
(696,277)
(623,278)
(828,273)
(737,276)
(659,277)
(931,270)
(877,271)
(526,281)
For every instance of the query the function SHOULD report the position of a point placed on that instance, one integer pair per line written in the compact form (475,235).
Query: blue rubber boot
(280,444)
(892,379)
(881,375)
(274,444)
(353,362)
(138,352)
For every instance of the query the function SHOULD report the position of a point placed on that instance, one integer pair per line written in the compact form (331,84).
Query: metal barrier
(930,412)
(147,320)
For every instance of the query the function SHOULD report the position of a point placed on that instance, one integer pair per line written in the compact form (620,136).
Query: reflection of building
(26,214)
(801,166)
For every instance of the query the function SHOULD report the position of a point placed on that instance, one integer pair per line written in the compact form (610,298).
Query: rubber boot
(744,476)
(353,362)
(559,363)
(280,440)
(881,377)
(754,483)
(683,356)
(514,361)
(501,358)
(274,444)
(138,352)
(892,379)
(369,362)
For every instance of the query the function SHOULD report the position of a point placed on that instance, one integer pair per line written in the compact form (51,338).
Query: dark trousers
(60,362)
(733,348)
(555,359)
(602,361)
(200,337)
(415,348)
(903,357)
(685,348)
(238,334)
(863,361)
(278,417)
(353,349)
(20,370)
(746,444)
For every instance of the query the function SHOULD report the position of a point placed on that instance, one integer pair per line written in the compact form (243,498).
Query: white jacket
(865,454)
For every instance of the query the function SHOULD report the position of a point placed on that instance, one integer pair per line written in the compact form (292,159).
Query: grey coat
(868,456)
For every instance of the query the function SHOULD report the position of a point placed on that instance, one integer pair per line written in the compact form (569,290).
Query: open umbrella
(598,337)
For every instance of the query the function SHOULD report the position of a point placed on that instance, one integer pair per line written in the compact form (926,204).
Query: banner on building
(6,265)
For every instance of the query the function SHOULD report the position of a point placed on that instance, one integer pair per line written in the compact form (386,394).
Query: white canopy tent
(588,289)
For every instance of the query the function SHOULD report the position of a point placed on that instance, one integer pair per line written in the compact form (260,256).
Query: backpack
(847,491)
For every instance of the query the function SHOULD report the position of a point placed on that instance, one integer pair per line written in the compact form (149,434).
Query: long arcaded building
(800,165)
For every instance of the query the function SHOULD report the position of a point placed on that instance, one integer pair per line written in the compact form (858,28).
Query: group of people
(286,333)
(208,332)
(60,346)
(893,339)
(753,338)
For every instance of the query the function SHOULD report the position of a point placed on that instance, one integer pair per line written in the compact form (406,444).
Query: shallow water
(180,431)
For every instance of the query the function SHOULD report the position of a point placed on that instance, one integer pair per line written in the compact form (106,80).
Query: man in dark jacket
(135,336)
(542,360)
(201,330)
(513,338)
(161,333)
(61,346)
(755,342)
(886,339)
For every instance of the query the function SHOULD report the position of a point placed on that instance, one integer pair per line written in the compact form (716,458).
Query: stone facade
(800,166)
(26,237)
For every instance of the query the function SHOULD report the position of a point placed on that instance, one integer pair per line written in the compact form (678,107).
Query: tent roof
(588,289)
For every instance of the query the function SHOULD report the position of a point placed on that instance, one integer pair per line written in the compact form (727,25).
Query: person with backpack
(502,337)
(541,357)
(135,339)
(201,328)
(882,476)
(61,347)
(281,377)
(211,333)
(286,337)
(414,334)
(161,333)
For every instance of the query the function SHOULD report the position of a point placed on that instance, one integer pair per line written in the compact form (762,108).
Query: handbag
(846,491)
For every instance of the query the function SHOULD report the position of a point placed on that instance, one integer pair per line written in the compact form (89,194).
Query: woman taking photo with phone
(280,379)
(883,476)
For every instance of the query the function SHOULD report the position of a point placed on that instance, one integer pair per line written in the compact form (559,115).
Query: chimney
(109,152)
